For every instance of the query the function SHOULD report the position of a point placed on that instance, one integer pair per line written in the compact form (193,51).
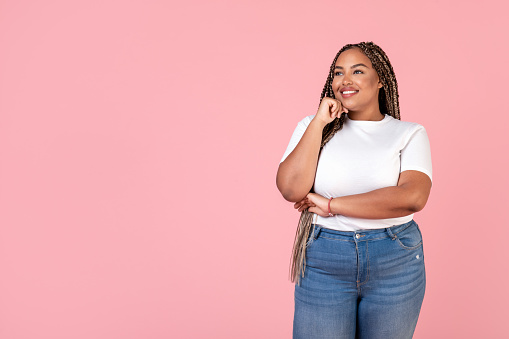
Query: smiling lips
(348,93)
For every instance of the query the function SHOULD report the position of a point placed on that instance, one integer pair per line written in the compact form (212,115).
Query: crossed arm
(409,196)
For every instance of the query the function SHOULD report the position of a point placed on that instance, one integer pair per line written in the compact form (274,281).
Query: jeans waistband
(318,230)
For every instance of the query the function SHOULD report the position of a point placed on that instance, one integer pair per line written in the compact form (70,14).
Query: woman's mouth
(347,94)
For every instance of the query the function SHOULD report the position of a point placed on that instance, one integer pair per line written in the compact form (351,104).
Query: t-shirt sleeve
(416,155)
(297,135)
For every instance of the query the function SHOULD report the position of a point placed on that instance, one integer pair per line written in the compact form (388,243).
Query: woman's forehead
(351,57)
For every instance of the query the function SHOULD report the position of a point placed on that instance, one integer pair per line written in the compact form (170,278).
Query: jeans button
(357,236)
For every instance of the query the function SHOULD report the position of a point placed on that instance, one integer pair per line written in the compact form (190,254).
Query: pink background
(139,145)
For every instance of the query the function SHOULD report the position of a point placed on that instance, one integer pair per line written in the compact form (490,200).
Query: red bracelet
(330,214)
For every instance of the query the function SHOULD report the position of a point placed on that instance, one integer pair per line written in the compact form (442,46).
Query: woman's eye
(357,70)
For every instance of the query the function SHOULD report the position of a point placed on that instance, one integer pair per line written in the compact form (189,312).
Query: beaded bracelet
(330,214)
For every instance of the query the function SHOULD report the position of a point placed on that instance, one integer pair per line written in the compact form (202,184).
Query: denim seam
(321,236)
(358,266)
(383,237)
(408,248)
(367,260)
(401,230)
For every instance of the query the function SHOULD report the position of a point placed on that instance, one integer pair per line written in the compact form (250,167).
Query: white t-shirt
(364,156)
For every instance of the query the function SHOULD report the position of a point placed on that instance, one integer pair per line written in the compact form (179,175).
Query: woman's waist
(351,224)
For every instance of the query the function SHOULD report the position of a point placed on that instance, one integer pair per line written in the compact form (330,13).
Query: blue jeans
(366,284)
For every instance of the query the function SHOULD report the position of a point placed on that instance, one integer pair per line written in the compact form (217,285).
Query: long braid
(388,101)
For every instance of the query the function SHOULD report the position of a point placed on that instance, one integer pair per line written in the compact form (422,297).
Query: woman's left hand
(316,203)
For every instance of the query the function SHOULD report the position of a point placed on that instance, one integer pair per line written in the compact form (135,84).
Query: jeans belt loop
(317,232)
(392,235)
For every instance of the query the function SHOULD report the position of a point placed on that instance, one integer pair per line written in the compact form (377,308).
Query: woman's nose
(346,80)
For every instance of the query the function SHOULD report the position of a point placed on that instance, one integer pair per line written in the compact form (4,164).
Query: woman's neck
(374,116)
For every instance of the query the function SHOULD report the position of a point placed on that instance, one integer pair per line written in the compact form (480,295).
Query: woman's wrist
(329,210)
(318,122)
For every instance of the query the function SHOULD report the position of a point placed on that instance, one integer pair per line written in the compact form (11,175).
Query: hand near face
(329,110)
(316,203)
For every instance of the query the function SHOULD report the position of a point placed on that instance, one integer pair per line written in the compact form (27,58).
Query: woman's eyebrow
(352,66)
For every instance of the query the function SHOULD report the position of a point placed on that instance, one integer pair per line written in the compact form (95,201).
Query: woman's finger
(333,107)
(306,206)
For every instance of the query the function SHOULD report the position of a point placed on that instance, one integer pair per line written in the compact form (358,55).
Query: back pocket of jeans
(410,238)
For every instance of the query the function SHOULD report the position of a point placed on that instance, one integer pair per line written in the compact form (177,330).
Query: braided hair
(388,104)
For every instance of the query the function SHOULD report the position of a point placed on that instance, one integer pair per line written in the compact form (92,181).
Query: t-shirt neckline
(368,122)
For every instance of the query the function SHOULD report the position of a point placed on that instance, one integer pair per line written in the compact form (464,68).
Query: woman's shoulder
(407,125)
(307,120)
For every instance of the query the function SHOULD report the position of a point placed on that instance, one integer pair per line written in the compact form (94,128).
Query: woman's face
(354,71)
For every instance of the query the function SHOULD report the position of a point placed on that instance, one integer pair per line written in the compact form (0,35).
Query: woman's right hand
(329,110)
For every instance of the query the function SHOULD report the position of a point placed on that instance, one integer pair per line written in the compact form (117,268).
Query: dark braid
(388,104)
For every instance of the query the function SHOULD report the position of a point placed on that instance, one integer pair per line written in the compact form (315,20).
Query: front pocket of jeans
(410,238)
(309,242)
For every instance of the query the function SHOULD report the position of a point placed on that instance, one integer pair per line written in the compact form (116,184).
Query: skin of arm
(408,197)
(296,174)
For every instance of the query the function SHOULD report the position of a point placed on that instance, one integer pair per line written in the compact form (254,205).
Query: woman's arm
(296,174)
(408,197)
(382,203)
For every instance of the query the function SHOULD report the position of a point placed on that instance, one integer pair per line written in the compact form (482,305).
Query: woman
(361,173)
